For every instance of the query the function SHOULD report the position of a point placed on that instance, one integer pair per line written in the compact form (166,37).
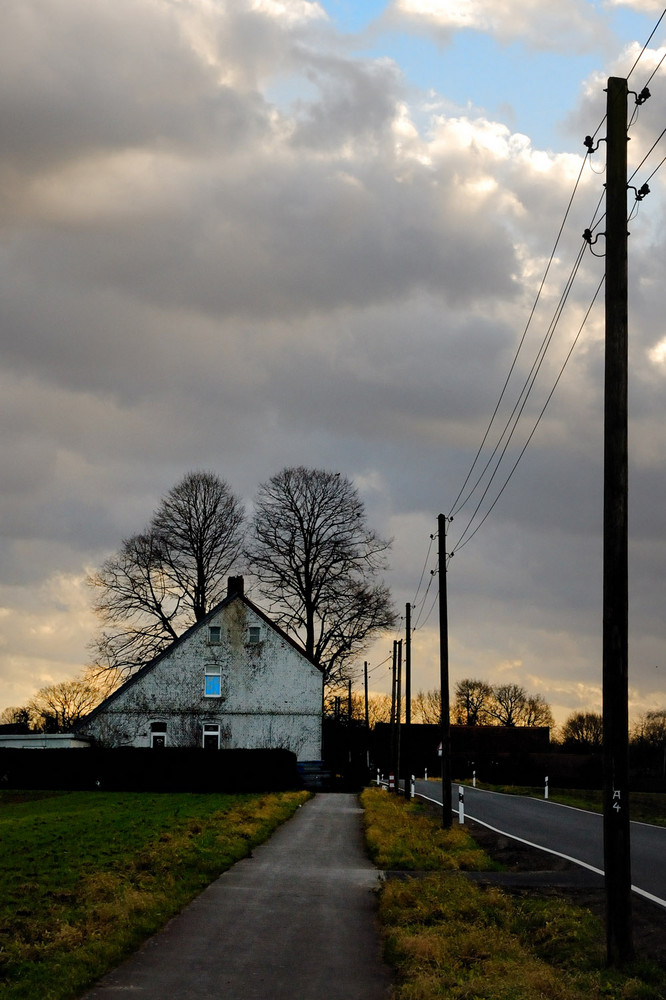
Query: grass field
(85,877)
(449,938)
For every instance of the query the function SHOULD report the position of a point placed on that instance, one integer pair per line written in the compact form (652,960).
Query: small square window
(214,634)
(212,681)
(254,635)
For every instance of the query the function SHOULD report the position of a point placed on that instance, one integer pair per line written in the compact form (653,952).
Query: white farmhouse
(233,680)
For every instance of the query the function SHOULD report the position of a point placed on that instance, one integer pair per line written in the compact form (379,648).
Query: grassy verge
(448,937)
(645,807)
(85,877)
(400,836)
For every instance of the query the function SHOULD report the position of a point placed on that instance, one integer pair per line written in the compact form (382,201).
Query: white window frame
(217,629)
(160,732)
(210,729)
(212,671)
(254,635)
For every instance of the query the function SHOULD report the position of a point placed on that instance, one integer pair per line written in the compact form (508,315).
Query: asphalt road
(570,833)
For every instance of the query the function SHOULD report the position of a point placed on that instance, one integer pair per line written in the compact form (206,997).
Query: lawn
(86,876)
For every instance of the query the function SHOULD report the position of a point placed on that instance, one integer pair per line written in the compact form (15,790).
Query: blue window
(212,681)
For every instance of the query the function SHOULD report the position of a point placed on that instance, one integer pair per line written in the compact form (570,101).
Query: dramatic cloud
(230,240)
(544,24)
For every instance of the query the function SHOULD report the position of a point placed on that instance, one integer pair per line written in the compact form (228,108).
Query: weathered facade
(234,680)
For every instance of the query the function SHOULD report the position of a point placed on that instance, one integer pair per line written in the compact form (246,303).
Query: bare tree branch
(161,581)
(471,702)
(318,564)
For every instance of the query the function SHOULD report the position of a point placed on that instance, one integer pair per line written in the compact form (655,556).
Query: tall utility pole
(444,676)
(617,859)
(406,743)
(392,740)
(398,702)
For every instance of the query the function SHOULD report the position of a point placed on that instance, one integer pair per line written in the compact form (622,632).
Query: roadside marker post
(545,791)
(461,804)
(473,779)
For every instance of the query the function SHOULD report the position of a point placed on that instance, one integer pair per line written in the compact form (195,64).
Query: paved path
(297,920)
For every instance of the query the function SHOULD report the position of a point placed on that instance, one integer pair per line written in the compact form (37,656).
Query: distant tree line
(474,703)
(479,703)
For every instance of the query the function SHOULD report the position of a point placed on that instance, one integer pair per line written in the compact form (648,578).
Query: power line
(456,506)
(643,50)
(462,543)
(515,416)
(516,413)
(651,149)
(525,392)
(425,564)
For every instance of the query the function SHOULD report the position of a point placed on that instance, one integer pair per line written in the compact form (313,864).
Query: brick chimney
(235,586)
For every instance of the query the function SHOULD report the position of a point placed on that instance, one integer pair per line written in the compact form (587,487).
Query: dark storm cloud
(228,242)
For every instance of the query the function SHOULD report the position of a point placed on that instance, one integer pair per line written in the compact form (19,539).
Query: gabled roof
(237,595)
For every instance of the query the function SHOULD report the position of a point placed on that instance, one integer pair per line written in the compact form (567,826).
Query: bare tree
(427,707)
(471,701)
(319,565)
(58,707)
(199,524)
(162,581)
(17,715)
(139,611)
(379,707)
(650,729)
(583,731)
(507,706)
(537,712)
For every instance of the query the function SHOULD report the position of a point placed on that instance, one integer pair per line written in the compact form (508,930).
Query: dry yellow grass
(449,938)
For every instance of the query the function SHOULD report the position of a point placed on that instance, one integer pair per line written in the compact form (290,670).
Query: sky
(240,235)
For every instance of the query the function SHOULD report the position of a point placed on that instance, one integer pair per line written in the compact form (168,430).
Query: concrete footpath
(296,920)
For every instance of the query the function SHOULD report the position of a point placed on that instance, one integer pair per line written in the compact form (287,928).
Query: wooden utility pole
(393,692)
(444,676)
(617,858)
(399,718)
(406,743)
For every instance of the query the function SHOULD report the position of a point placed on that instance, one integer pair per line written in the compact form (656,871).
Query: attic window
(254,635)
(214,634)
(212,681)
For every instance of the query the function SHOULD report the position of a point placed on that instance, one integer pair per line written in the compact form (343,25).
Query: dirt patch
(649,920)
